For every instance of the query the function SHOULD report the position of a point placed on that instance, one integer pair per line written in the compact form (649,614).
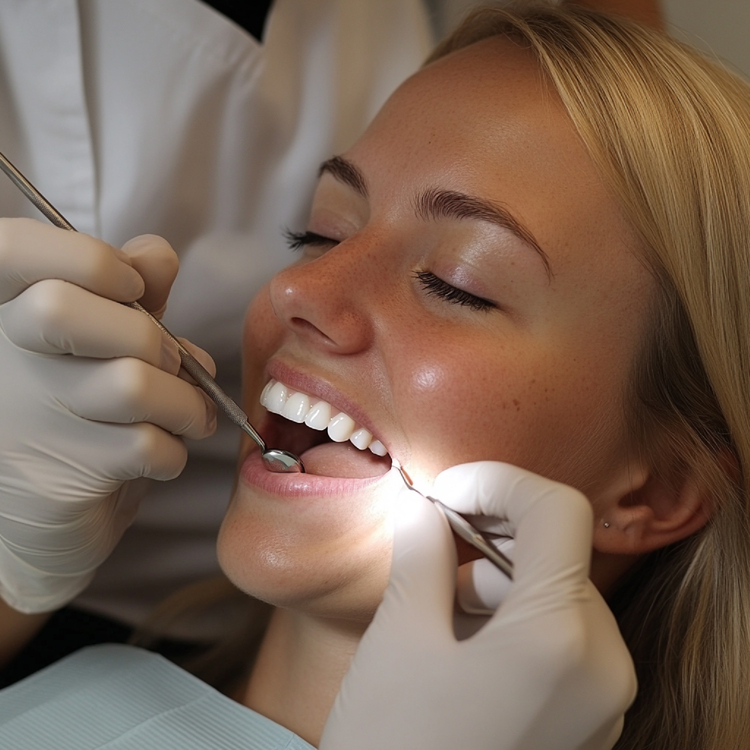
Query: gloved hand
(549,670)
(89,400)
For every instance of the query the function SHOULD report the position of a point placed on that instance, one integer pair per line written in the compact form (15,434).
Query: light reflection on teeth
(319,416)
(340,428)
(378,448)
(298,407)
(361,438)
(276,398)
(270,384)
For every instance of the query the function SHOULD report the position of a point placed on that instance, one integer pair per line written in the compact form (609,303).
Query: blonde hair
(670,133)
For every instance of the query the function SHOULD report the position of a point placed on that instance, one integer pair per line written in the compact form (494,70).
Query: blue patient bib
(123,698)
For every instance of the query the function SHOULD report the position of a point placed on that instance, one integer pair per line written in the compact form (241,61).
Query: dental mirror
(282,462)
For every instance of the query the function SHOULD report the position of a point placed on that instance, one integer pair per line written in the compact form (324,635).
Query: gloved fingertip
(122,256)
(205,359)
(480,587)
(613,735)
(458,486)
(130,285)
(151,245)
(211,416)
(156,261)
(170,356)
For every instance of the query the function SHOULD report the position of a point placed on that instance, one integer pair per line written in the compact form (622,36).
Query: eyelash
(432,284)
(299,240)
(435,285)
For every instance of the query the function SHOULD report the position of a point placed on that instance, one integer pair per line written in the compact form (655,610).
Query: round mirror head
(282,462)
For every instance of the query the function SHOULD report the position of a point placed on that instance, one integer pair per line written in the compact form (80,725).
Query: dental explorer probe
(463,528)
(278,461)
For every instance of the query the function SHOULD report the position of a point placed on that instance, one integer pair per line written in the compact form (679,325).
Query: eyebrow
(438,204)
(345,172)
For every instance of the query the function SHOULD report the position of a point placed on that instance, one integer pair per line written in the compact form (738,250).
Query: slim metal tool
(275,460)
(463,528)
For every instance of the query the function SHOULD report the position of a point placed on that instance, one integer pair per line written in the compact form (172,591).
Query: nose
(325,301)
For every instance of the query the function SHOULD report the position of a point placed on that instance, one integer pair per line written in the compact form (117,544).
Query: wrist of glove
(548,669)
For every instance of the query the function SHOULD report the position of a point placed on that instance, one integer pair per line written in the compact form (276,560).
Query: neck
(299,669)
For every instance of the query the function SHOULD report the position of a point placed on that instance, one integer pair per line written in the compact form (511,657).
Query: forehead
(485,121)
(490,99)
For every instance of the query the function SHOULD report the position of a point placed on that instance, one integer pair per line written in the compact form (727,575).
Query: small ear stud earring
(606,525)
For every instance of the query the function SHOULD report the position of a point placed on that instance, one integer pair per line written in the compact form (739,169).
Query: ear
(642,512)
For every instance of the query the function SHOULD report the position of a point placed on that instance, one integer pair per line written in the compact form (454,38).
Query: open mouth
(329,442)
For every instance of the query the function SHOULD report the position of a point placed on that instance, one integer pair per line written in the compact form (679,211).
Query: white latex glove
(89,399)
(548,671)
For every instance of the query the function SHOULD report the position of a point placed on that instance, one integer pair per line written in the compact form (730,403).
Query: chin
(319,545)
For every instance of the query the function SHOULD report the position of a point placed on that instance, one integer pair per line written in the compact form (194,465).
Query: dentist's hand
(89,400)
(548,670)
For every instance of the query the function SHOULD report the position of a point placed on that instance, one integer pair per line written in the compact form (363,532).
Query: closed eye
(300,240)
(432,284)
(436,286)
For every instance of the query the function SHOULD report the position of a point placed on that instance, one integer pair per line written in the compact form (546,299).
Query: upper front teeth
(318,414)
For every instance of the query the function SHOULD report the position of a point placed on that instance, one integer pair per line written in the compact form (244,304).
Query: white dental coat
(163,116)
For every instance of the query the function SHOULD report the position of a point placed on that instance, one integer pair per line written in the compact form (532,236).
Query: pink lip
(290,486)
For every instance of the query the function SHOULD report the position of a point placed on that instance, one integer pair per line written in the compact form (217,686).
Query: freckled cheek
(455,409)
(457,405)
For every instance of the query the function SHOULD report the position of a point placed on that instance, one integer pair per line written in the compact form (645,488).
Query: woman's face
(468,290)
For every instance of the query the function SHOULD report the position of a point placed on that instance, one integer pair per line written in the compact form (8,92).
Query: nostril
(305,326)
(302,323)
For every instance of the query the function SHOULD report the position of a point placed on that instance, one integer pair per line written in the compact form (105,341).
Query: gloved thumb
(480,586)
(157,263)
(421,588)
